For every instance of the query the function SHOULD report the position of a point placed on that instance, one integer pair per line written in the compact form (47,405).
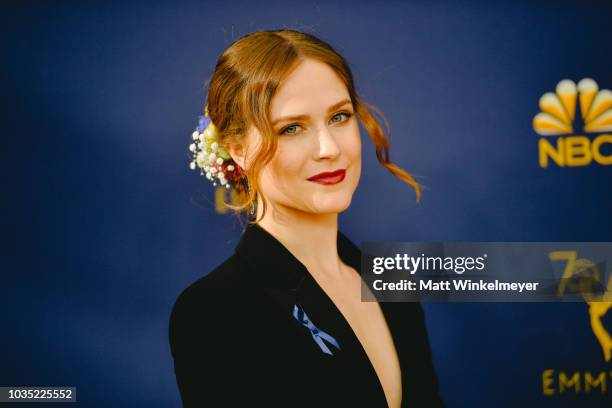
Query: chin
(333,204)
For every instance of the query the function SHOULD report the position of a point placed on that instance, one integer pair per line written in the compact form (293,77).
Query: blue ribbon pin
(317,334)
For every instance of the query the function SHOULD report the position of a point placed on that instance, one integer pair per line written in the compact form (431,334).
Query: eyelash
(347,114)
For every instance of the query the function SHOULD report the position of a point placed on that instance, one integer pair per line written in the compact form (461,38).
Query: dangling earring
(251,206)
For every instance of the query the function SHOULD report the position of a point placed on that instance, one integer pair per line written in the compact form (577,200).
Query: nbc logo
(557,121)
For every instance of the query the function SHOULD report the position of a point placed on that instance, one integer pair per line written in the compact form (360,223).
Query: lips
(328,178)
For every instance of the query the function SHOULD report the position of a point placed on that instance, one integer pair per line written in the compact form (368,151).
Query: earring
(251,206)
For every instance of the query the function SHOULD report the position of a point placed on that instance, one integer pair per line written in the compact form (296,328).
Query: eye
(289,130)
(341,117)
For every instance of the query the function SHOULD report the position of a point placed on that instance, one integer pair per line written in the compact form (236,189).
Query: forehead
(310,88)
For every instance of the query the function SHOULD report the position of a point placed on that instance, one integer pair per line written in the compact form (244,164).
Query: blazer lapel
(271,266)
(287,281)
(275,269)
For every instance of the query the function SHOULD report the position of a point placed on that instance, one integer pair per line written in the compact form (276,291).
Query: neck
(311,238)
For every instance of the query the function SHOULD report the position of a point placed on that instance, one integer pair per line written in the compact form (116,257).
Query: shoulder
(206,304)
(212,287)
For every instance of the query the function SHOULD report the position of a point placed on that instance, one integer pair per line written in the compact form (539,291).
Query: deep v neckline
(355,339)
(283,277)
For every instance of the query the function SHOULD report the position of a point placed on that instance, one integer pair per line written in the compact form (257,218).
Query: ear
(241,150)
(237,151)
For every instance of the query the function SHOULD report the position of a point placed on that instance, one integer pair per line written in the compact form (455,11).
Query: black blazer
(236,342)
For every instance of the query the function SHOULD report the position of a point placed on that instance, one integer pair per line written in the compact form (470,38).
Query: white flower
(230,167)
(219,161)
(192,165)
(192,147)
(195,135)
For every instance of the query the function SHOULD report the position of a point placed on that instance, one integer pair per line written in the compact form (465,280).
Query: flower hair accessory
(213,159)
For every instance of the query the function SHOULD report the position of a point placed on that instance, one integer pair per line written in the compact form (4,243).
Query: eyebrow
(303,117)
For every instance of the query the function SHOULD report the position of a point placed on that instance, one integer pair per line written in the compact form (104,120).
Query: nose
(328,148)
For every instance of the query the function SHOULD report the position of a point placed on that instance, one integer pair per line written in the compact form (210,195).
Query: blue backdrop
(105,224)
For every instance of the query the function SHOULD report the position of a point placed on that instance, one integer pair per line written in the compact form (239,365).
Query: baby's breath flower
(214,160)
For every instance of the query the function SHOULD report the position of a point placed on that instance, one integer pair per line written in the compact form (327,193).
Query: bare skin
(370,327)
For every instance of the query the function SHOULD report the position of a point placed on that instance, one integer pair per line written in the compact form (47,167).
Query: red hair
(246,78)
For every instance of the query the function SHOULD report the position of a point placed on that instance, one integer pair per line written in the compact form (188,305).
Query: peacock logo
(557,122)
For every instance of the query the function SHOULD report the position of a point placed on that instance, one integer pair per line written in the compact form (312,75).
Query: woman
(281,321)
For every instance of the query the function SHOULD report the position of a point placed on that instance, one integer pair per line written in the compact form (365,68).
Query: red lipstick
(329,178)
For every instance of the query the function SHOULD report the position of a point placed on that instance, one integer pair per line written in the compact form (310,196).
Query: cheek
(352,143)
(352,150)
(286,168)
(357,147)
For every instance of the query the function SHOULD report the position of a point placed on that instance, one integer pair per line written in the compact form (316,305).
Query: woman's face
(317,132)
